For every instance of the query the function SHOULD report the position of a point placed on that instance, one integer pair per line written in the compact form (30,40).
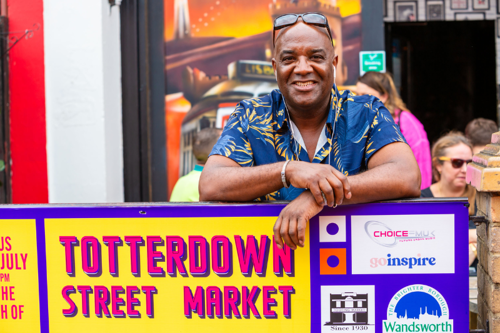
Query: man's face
(304,62)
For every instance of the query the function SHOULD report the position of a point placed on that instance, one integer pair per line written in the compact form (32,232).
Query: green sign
(371,61)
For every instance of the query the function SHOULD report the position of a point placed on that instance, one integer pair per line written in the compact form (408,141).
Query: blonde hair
(383,84)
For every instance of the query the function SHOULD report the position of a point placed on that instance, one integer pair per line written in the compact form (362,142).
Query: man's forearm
(223,179)
(234,183)
(392,173)
(384,182)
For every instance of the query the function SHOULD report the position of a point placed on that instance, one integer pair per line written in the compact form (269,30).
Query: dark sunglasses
(310,18)
(455,162)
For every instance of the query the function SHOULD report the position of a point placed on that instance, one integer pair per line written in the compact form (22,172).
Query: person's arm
(392,173)
(472,245)
(223,179)
(416,137)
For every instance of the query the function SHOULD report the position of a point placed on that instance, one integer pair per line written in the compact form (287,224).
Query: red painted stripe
(28,139)
(227,105)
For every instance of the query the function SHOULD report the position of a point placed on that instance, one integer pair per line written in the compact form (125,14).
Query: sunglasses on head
(287,20)
(455,162)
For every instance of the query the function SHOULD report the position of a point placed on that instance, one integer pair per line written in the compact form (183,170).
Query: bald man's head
(282,31)
(304,61)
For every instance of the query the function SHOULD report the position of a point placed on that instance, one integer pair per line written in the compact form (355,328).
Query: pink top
(415,135)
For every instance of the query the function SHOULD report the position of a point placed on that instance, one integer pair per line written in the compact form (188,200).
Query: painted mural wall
(219,52)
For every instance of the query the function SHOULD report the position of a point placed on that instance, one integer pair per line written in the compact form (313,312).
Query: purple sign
(382,267)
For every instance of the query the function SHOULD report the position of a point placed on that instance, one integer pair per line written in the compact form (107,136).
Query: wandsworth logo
(418,308)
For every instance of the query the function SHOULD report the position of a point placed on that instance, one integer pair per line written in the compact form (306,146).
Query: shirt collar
(282,114)
(334,101)
(198,167)
(321,141)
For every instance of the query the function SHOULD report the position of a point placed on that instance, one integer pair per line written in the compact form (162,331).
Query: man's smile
(304,85)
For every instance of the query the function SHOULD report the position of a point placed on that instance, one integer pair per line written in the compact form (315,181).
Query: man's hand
(319,179)
(290,226)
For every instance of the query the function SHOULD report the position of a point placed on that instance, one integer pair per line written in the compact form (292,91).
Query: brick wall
(484,174)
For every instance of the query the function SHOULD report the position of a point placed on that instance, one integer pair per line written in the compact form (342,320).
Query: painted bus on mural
(246,79)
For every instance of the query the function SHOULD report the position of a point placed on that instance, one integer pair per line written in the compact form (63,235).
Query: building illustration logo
(418,308)
(347,307)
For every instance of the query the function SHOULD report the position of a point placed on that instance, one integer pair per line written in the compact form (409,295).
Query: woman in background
(382,86)
(450,155)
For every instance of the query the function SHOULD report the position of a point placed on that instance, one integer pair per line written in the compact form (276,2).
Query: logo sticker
(418,308)
(348,308)
(383,235)
(332,262)
(403,244)
(332,229)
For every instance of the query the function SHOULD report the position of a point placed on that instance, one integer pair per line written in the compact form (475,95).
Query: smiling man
(307,142)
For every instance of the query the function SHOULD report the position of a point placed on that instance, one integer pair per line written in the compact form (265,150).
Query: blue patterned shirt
(258,133)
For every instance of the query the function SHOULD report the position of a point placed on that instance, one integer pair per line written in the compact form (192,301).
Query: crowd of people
(314,146)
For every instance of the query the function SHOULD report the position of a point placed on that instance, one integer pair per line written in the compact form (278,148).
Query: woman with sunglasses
(450,155)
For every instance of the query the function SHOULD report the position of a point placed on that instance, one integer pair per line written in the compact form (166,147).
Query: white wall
(83,101)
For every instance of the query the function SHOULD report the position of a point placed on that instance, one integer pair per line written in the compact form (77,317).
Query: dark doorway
(143,100)
(445,71)
(5,171)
